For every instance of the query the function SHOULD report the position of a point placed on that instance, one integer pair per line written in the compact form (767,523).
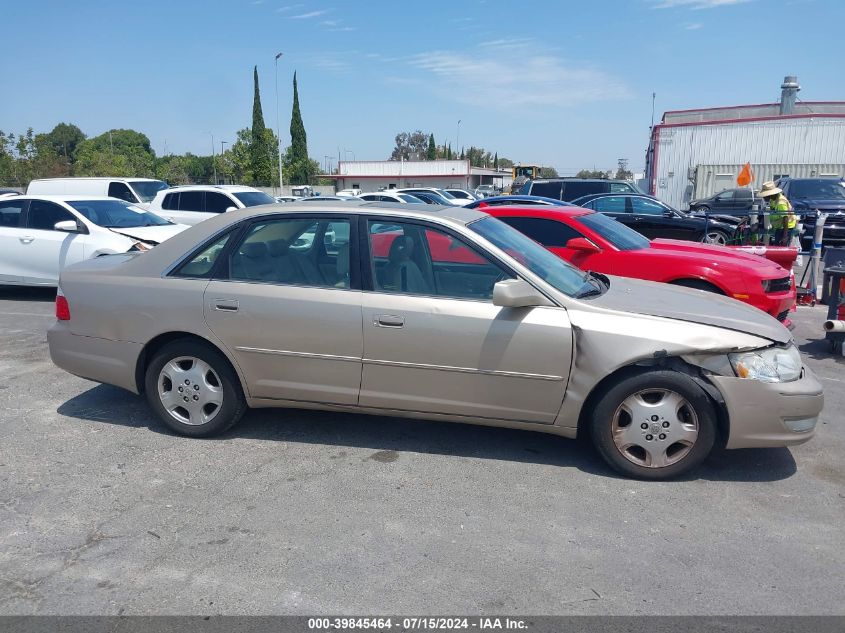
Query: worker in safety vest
(782,218)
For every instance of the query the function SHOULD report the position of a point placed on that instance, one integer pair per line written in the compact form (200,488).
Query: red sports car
(593,241)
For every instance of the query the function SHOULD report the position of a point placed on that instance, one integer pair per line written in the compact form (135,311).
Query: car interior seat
(401,273)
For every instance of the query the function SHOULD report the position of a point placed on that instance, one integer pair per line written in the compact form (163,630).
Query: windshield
(824,189)
(622,237)
(253,198)
(552,269)
(116,214)
(146,190)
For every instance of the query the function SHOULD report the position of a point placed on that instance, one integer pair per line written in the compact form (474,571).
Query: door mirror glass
(68,226)
(517,293)
(582,244)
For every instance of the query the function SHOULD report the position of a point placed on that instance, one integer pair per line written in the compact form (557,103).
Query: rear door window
(575,189)
(10,213)
(191,201)
(170,202)
(621,187)
(610,204)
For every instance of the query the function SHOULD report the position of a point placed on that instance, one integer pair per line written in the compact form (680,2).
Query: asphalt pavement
(103,511)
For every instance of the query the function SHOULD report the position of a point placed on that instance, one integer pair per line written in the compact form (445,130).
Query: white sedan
(387,196)
(40,235)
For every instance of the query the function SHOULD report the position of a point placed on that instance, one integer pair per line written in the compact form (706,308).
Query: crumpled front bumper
(771,414)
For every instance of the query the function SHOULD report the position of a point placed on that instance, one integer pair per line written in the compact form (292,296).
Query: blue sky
(560,83)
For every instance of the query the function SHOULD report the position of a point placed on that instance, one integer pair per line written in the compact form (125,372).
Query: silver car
(442,313)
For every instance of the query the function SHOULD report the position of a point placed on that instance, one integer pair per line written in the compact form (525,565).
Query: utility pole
(458,137)
(278,128)
(222,152)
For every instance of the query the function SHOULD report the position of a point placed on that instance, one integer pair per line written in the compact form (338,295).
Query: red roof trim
(405,176)
(753,118)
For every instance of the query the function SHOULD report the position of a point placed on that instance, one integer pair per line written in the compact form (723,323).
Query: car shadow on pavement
(821,349)
(390,436)
(27,293)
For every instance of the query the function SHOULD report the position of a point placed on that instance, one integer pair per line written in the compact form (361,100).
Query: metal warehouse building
(696,153)
(372,175)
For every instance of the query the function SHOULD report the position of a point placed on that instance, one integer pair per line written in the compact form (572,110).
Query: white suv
(194,203)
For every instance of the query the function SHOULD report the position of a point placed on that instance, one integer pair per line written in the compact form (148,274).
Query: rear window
(550,233)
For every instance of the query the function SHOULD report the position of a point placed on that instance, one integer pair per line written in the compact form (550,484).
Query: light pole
(222,152)
(278,128)
(458,141)
(348,151)
(213,159)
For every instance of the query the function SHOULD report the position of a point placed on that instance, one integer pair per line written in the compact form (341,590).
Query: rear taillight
(62,307)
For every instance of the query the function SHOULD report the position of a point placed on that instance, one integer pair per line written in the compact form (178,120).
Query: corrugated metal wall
(788,142)
(710,179)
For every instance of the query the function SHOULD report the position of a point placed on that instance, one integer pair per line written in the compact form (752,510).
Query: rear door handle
(226,305)
(388,320)
(26,239)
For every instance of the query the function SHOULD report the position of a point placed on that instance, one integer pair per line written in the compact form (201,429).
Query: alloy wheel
(190,390)
(655,428)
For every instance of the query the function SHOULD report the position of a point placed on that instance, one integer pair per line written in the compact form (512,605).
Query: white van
(140,191)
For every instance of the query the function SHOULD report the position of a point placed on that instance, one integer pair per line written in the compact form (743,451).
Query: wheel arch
(641,367)
(157,342)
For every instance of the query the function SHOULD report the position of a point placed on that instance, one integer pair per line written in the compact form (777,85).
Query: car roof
(541,210)
(58,197)
(229,188)
(620,194)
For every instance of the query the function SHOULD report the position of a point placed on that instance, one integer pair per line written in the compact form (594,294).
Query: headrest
(278,247)
(401,249)
(254,249)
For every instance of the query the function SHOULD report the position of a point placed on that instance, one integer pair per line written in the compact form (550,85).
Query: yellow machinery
(522,174)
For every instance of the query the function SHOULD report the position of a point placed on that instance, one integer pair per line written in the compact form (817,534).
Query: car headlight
(772,364)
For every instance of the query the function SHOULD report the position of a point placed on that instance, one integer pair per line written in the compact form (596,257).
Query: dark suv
(737,201)
(567,189)
(809,195)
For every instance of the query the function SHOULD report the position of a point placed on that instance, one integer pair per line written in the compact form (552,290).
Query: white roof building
(696,153)
(372,175)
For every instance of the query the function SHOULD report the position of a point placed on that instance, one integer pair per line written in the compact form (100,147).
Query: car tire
(702,208)
(193,389)
(657,424)
(717,237)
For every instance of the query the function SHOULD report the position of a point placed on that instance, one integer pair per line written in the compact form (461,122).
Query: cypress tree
(432,148)
(298,142)
(259,151)
(496,161)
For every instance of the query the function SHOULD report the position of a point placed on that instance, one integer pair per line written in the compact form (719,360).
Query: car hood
(718,217)
(722,256)
(820,203)
(685,304)
(151,234)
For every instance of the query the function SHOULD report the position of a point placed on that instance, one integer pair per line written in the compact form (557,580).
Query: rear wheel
(654,425)
(718,237)
(193,389)
(703,209)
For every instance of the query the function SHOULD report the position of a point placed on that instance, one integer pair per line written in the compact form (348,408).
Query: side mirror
(583,245)
(231,209)
(68,226)
(517,293)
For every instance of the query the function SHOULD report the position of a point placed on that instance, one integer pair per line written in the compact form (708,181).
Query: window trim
(366,270)
(246,225)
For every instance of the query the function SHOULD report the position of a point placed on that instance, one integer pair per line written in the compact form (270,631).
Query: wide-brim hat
(769,189)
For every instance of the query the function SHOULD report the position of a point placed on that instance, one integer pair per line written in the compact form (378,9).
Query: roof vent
(788,93)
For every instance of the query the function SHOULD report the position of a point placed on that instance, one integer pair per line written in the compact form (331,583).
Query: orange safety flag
(745,176)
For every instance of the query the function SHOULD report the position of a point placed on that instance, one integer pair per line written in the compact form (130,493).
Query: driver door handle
(26,239)
(226,305)
(388,320)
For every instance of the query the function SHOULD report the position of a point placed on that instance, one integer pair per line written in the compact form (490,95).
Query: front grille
(782,316)
(779,285)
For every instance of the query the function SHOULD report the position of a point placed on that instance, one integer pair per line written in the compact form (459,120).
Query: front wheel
(193,389)
(654,425)
(717,237)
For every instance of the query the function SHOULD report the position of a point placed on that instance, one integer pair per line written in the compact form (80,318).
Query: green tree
(296,157)
(260,153)
(431,154)
(548,172)
(592,173)
(115,153)
(496,161)
(64,139)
